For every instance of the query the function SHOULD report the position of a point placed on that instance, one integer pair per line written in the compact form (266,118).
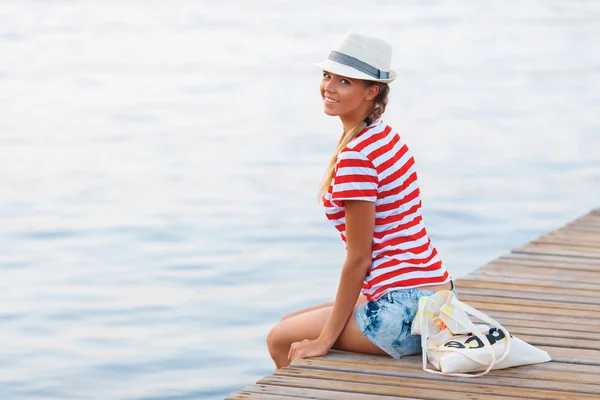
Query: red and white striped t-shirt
(377,166)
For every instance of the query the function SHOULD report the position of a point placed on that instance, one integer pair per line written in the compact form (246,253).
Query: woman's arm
(360,223)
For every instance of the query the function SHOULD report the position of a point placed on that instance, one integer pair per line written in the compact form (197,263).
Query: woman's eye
(345,82)
(325,75)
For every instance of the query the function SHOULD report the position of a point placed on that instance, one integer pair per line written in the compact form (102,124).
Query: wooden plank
(587,217)
(542,286)
(590,218)
(562,261)
(540,291)
(569,355)
(421,389)
(304,393)
(480,305)
(555,274)
(569,343)
(590,227)
(518,373)
(536,264)
(569,330)
(545,303)
(567,229)
(569,249)
(559,321)
(415,362)
(566,372)
(576,248)
(583,244)
(569,301)
(583,228)
(234,396)
(560,277)
(539,380)
(454,384)
(553,250)
(244,395)
(570,235)
(591,215)
(521,330)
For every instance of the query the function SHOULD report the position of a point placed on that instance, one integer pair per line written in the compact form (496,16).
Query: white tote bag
(455,346)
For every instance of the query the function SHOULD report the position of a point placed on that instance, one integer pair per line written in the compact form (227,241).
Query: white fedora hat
(361,57)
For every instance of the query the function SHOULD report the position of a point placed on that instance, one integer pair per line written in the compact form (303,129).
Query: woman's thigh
(304,310)
(309,325)
(361,300)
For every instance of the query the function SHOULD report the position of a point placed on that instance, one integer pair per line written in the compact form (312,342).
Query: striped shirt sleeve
(355,178)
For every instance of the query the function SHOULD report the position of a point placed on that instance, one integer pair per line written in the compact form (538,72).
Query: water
(160,164)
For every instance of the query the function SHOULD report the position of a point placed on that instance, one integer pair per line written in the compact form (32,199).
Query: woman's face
(345,96)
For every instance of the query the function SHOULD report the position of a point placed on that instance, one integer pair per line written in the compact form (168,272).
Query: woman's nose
(330,87)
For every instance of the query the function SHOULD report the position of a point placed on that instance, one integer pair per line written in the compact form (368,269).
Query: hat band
(359,65)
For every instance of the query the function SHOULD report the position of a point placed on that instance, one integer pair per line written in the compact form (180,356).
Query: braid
(381,101)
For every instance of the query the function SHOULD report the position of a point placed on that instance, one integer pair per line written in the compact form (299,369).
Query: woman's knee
(274,337)
(306,325)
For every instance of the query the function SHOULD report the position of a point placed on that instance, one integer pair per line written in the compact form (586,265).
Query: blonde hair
(380,102)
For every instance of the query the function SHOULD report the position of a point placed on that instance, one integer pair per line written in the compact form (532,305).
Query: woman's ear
(372,92)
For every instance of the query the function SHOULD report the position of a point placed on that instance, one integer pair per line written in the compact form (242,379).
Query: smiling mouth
(329,100)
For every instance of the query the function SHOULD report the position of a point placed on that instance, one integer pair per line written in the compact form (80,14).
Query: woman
(371,195)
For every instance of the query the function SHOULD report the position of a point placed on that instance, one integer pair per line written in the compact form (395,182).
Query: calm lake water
(160,163)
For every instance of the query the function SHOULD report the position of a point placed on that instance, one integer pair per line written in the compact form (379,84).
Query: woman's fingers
(295,349)
(298,355)
(292,350)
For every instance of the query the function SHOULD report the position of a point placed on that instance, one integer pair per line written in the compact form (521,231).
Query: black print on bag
(494,335)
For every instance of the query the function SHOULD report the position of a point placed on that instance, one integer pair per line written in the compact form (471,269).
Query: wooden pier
(546,293)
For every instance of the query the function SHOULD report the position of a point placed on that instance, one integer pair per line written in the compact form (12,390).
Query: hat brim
(344,70)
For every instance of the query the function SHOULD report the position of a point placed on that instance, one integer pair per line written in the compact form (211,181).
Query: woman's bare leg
(308,325)
(361,300)
(317,307)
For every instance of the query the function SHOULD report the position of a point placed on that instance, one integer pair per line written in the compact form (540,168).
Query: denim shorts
(387,321)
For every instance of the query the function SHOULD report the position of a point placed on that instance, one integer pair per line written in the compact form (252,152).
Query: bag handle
(485,318)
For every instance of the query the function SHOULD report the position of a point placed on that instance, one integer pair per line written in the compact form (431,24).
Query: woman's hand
(308,348)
